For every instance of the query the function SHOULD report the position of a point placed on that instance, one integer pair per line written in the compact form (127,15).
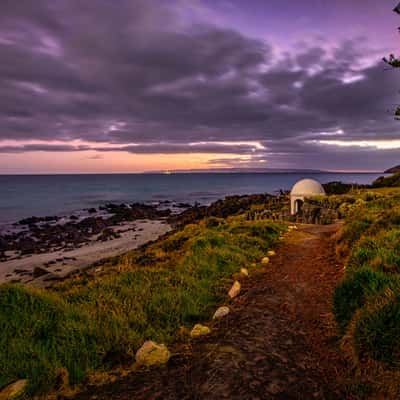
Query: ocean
(23,196)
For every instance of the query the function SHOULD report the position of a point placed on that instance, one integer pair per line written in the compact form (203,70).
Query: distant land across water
(23,196)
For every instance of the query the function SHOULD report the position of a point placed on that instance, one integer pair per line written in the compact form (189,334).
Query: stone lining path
(277,343)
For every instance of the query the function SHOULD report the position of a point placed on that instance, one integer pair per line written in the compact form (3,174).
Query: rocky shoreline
(43,269)
(39,235)
(38,249)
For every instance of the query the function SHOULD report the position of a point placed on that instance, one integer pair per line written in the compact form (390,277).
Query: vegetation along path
(278,342)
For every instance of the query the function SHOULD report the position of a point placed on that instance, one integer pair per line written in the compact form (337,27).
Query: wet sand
(61,263)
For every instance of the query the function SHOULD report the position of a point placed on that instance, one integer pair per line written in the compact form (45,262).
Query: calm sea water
(26,195)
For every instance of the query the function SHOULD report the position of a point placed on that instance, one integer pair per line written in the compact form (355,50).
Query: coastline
(42,250)
(40,269)
(158,292)
(60,195)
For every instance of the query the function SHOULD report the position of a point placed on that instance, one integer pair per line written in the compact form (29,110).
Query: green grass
(40,334)
(366,302)
(377,333)
(97,322)
(352,293)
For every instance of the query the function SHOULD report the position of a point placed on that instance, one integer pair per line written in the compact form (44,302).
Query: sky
(119,86)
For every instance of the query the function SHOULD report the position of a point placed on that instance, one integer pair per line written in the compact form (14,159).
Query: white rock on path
(265,261)
(221,312)
(199,330)
(271,253)
(244,271)
(14,390)
(235,290)
(152,353)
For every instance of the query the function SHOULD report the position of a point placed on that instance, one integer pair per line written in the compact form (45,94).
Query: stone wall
(310,214)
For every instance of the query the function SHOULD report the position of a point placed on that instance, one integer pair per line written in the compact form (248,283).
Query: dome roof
(307,187)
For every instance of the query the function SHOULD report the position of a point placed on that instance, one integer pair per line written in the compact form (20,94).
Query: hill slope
(393,170)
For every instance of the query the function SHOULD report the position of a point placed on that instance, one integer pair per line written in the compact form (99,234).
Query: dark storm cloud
(156,148)
(128,72)
(182,148)
(41,147)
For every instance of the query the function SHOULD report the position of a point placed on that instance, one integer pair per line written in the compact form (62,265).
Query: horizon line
(172,172)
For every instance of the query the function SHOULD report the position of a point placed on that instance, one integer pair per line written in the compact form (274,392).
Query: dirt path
(277,343)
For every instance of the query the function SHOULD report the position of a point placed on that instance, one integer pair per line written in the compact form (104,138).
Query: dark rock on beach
(123,212)
(38,272)
(183,205)
(36,235)
(108,234)
(35,220)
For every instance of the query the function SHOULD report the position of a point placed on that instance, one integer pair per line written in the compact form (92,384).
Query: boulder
(221,312)
(271,253)
(152,353)
(265,261)
(244,272)
(39,271)
(234,290)
(199,330)
(14,390)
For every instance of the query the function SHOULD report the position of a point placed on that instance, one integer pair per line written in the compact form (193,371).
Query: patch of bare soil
(278,342)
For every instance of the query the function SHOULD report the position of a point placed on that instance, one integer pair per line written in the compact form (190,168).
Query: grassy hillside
(95,322)
(367,302)
(387,181)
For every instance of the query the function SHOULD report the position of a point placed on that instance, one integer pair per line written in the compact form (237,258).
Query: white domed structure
(303,189)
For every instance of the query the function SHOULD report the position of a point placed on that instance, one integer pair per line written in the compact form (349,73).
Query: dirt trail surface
(277,343)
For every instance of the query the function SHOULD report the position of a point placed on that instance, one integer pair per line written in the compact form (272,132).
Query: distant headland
(393,170)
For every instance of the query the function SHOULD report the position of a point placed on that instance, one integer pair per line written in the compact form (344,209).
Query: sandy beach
(61,263)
